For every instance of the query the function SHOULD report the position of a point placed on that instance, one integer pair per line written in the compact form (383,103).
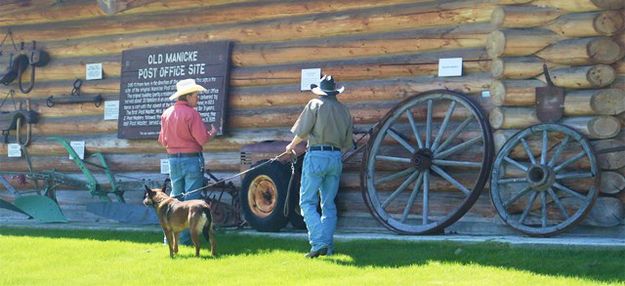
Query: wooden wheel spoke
(527,209)
(450,179)
(392,159)
(576,175)
(400,189)
(543,208)
(428,125)
(558,151)
(394,176)
(411,199)
(569,161)
(528,151)
(415,130)
(558,203)
(454,134)
(515,163)
(543,149)
(441,130)
(426,197)
(517,196)
(569,191)
(515,180)
(457,148)
(400,140)
(457,163)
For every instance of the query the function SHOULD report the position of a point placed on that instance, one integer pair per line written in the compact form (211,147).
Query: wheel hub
(422,159)
(540,177)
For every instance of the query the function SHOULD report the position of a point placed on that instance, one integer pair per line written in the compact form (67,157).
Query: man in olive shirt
(327,124)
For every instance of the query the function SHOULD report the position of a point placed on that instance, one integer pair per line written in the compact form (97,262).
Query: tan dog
(175,216)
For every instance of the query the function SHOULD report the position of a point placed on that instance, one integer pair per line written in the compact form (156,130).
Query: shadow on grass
(607,265)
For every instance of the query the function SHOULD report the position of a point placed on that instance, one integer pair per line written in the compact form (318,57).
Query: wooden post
(521,42)
(585,51)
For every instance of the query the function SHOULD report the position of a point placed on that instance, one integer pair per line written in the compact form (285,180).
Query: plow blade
(124,212)
(40,208)
(9,206)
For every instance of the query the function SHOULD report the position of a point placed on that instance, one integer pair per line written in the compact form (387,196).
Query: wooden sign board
(149,77)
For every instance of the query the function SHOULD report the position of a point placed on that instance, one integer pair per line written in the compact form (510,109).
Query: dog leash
(233,176)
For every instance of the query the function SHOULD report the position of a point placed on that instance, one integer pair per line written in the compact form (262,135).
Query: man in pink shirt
(183,134)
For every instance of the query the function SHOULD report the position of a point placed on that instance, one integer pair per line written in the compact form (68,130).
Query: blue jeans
(186,174)
(320,181)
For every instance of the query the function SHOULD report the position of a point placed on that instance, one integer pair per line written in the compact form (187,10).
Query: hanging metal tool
(549,100)
(75,97)
(36,58)
(14,120)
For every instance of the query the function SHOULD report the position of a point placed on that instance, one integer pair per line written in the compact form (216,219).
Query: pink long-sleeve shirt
(182,129)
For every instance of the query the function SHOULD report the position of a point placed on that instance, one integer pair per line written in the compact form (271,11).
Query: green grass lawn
(69,257)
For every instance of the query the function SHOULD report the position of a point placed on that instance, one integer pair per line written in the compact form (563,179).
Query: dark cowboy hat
(326,85)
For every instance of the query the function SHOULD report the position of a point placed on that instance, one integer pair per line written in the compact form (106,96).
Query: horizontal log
(269,42)
(611,160)
(518,42)
(598,127)
(311,16)
(138,162)
(512,2)
(612,182)
(416,64)
(50,11)
(595,76)
(597,50)
(576,103)
(523,16)
(604,23)
(109,143)
(514,92)
(581,5)
(283,95)
(606,212)
(518,67)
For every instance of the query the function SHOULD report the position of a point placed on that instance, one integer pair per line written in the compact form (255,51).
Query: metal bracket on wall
(75,97)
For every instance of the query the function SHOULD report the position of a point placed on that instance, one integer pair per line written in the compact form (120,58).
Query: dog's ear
(165,183)
(148,190)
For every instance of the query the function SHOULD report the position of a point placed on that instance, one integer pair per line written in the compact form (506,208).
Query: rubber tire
(280,175)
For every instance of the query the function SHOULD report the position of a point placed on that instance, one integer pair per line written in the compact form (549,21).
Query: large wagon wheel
(427,162)
(544,180)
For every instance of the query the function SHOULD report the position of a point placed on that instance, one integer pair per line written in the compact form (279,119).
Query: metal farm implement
(42,204)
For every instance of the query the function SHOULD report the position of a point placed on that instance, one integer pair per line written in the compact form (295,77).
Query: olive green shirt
(325,121)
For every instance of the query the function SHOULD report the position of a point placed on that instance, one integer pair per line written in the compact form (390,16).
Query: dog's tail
(208,226)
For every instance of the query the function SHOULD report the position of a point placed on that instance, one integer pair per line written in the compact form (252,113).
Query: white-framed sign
(14,150)
(93,71)
(310,76)
(450,67)
(111,110)
(79,148)
(164,166)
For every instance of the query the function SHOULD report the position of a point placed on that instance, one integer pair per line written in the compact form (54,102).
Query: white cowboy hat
(326,85)
(186,86)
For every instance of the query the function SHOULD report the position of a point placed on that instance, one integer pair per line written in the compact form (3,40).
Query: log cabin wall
(382,51)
